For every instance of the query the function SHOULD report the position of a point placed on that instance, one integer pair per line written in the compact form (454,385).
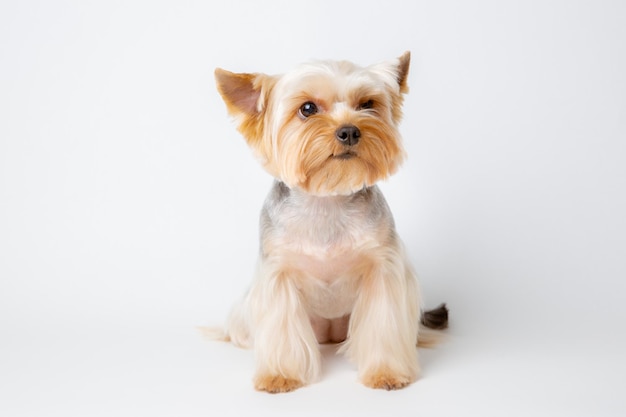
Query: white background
(129,203)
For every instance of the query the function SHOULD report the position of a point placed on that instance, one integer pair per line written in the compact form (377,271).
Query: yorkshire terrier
(332,268)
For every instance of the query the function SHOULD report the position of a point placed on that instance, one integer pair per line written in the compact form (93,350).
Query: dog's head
(328,127)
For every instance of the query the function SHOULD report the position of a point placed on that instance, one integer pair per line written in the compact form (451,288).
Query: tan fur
(331,267)
(385,379)
(276,383)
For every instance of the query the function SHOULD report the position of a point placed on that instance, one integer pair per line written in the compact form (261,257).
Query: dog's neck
(297,194)
(295,209)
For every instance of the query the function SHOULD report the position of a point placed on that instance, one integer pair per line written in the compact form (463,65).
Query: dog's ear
(402,71)
(246,97)
(241,92)
(395,72)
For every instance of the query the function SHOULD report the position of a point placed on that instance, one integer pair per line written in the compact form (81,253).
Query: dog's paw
(276,383)
(385,380)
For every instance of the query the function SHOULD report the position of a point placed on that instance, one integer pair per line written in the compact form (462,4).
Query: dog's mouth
(345,155)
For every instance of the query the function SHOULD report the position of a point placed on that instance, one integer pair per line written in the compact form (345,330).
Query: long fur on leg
(384,324)
(286,350)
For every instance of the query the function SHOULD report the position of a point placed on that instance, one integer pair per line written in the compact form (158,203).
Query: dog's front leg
(384,323)
(286,350)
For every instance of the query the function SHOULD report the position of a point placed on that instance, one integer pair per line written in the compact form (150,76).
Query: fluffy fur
(331,267)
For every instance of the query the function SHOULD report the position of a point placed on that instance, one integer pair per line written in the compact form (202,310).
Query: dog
(331,268)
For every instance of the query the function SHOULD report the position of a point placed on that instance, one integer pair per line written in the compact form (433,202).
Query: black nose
(348,135)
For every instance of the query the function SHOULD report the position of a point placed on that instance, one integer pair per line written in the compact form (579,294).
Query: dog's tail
(431,324)
(437,318)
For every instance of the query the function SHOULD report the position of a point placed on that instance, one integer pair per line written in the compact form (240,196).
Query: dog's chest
(323,226)
(324,237)
(326,243)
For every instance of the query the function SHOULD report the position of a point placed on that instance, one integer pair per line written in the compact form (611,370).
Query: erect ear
(246,97)
(402,71)
(241,92)
(396,71)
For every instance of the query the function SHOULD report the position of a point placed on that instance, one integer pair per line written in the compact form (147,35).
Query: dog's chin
(343,173)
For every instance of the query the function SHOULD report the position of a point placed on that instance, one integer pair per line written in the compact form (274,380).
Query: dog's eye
(308,109)
(366,105)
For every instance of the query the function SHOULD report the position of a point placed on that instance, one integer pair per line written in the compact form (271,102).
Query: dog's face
(326,128)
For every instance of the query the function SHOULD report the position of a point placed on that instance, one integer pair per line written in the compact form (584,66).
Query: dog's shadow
(334,362)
